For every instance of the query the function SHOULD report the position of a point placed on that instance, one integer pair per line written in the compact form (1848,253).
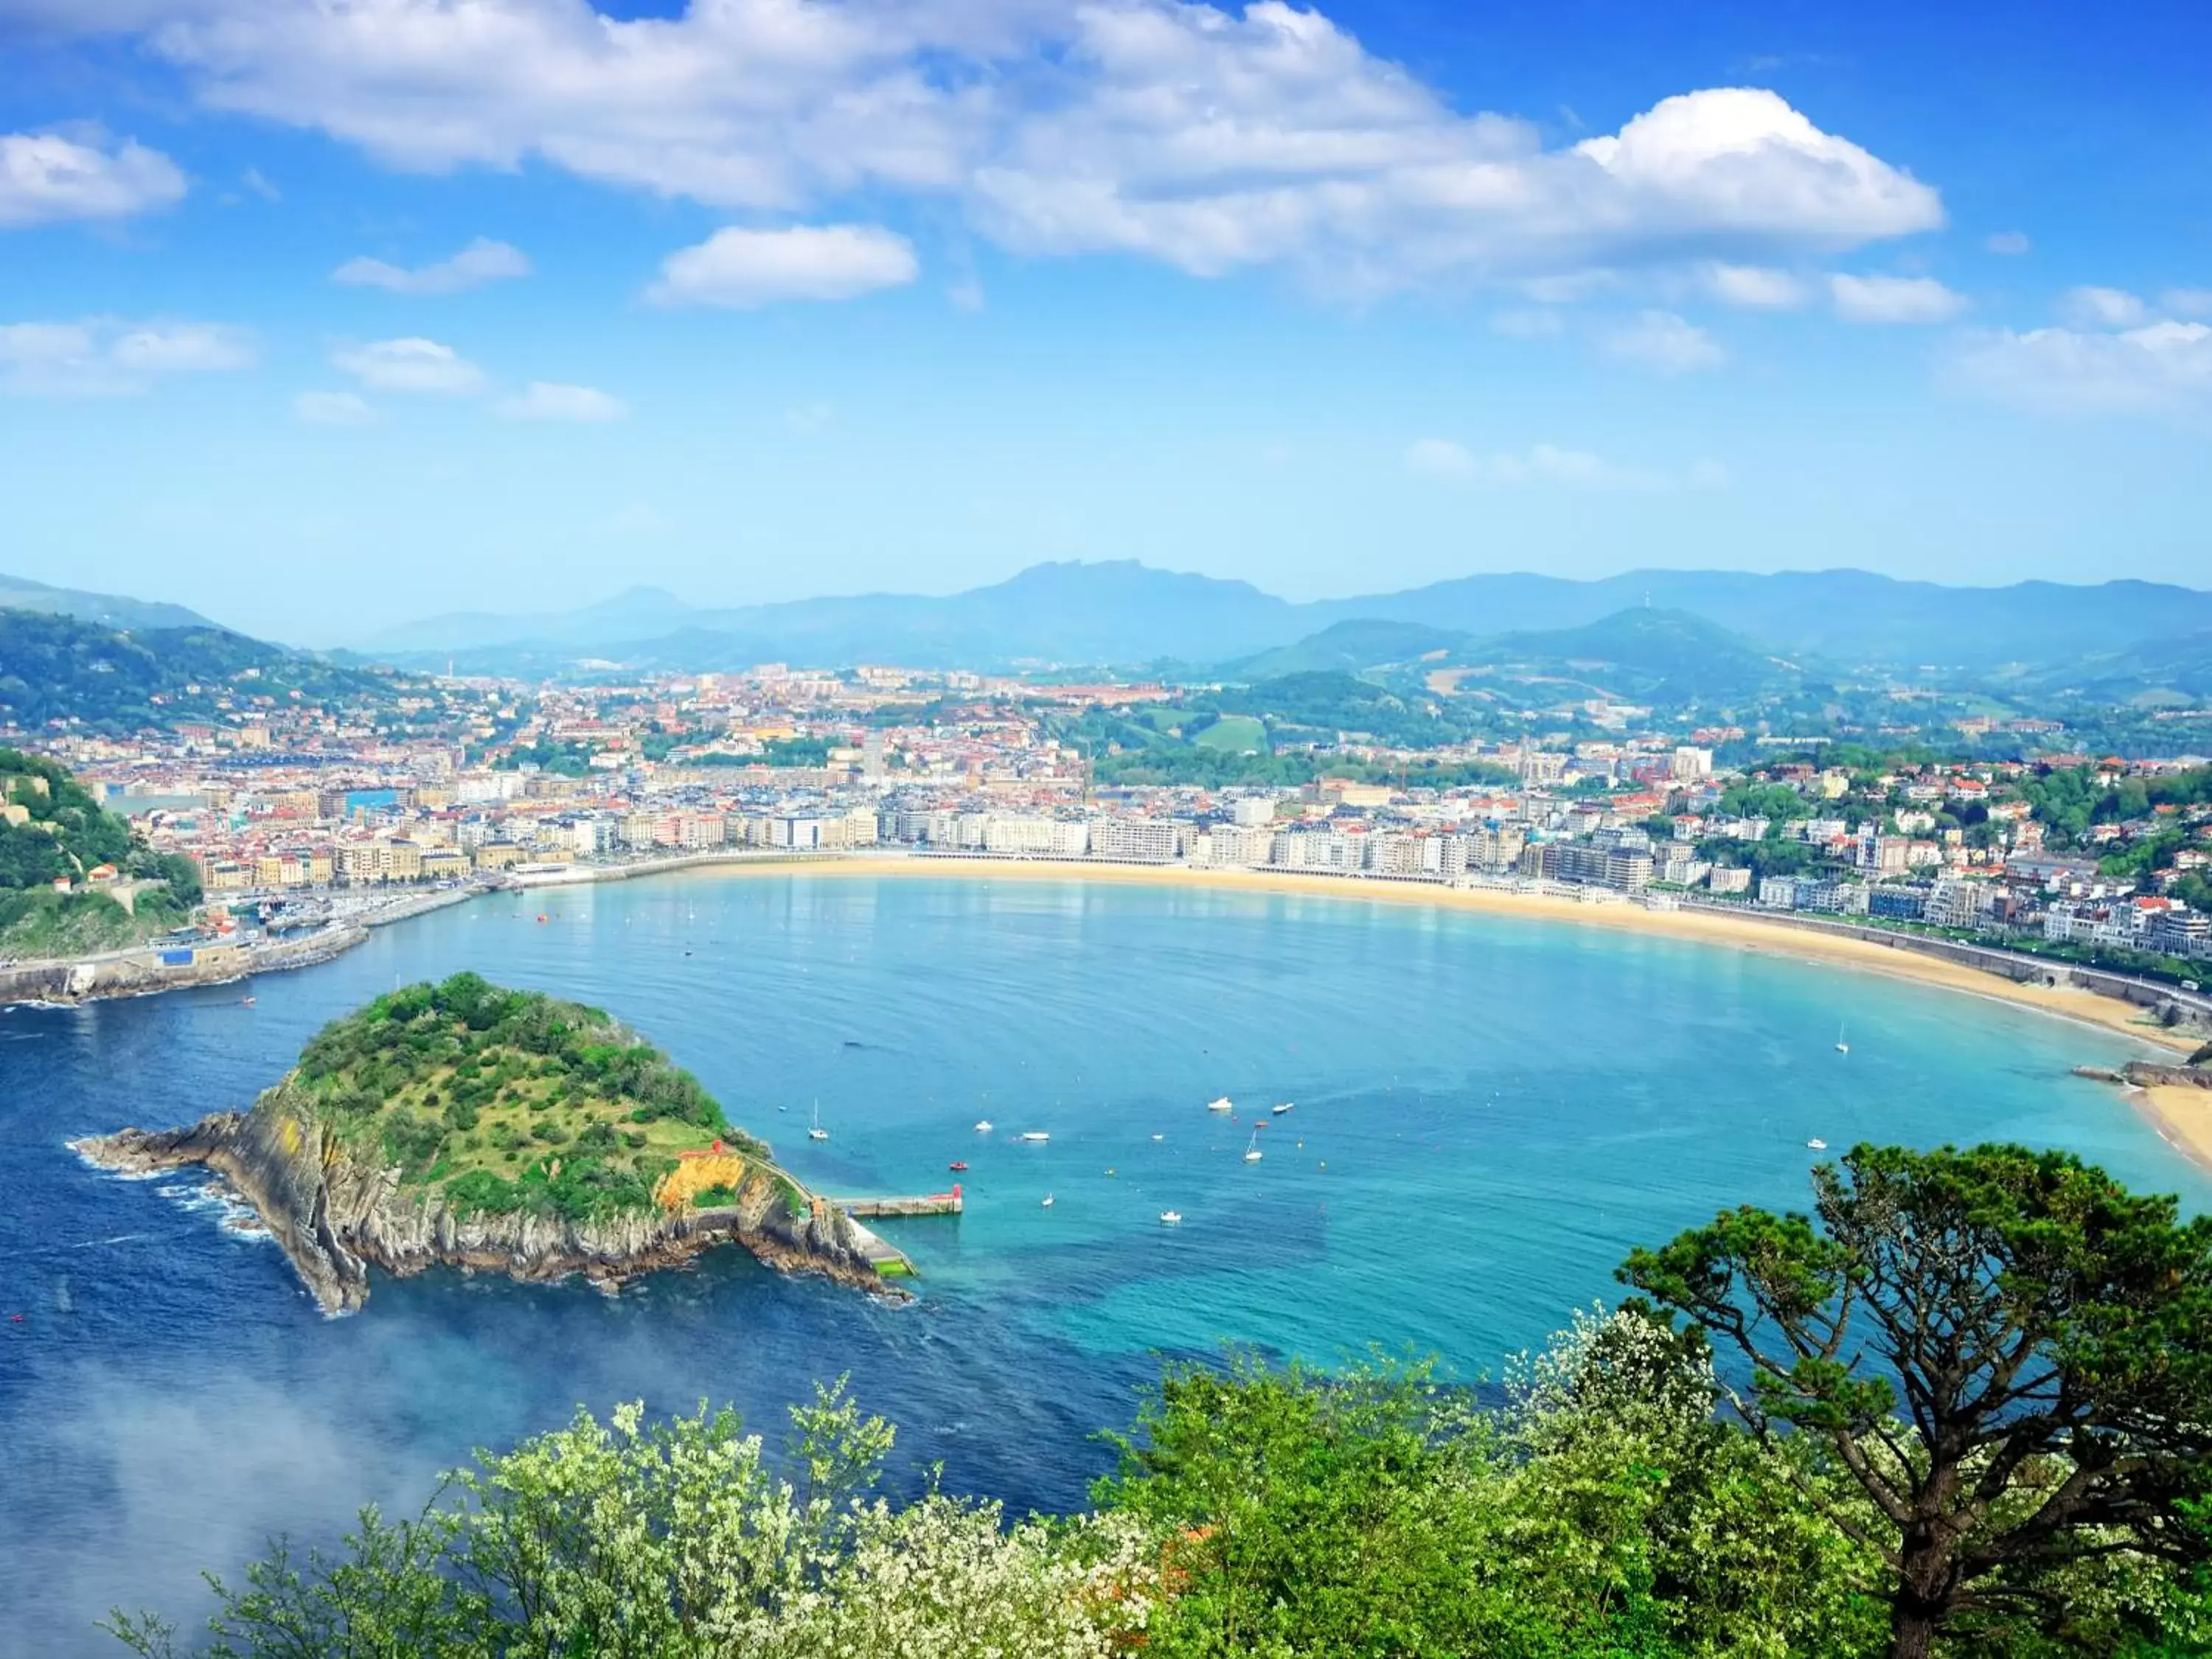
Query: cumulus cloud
(334,408)
(2163,365)
(2102,307)
(481,262)
(543,400)
(1894,298)
(44,177)
(1212,137)
(1756,287)
(413,364)
(1663,341)
(2187,301)
(103,356)
(747,267)
(1550,464)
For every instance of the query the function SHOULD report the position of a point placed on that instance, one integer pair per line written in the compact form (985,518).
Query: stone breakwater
(145,972)
(337,1213)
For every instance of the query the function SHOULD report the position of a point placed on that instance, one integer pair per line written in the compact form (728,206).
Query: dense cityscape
(295,811)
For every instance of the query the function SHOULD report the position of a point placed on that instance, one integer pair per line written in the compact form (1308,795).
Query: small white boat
(982,1126)
(1223,1103)
(1251,1153)
(818,1132)
(1280,1106)
(1159,1137)
(1171,1217)
(1036,1137)
(1817,1144)
(1842,1047)
(1047,1202)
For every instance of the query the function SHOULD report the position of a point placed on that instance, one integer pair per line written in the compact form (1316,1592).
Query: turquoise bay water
(1489,1113)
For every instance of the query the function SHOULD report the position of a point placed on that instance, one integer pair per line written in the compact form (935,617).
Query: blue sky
(320,316)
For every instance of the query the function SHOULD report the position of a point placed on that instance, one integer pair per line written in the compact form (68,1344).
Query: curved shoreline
(2183,1123)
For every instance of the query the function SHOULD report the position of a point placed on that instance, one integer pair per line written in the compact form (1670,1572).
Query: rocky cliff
(337,1212)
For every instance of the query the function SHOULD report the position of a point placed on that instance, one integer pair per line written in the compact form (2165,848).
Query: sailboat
(1252,1151)
(1842,1047)
(818,1132)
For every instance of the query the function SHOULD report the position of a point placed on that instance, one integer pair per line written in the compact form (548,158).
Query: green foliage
(420,1068)
(684,1540)
(69,834)
(2046,1336)
(1615,1500)
(57,668)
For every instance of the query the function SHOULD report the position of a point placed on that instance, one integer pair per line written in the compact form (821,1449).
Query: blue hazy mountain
(108,609)
(1126,613)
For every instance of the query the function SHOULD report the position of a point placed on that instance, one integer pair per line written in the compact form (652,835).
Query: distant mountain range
(1128,615)
(108,609)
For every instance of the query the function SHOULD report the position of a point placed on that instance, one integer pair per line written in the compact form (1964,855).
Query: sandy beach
(2182,1114)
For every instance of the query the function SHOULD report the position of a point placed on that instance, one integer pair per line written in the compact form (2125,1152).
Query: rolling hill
(108,609)
(1644,654)
(56,667)
(1127,614)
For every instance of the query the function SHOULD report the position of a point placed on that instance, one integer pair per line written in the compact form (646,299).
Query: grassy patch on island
(511,1101)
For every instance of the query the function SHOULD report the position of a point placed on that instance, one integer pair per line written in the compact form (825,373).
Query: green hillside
(57,668)
(65,834)
(1347,648)
(1644,654)
(507,1100)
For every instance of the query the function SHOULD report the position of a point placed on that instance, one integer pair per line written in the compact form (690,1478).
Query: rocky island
(464,1125)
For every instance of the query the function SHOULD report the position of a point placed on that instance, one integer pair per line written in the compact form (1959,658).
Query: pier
(931,1204)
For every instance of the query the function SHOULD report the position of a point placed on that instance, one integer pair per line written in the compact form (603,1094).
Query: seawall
(145,972)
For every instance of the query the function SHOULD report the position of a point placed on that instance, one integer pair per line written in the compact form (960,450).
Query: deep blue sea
(1489,1114)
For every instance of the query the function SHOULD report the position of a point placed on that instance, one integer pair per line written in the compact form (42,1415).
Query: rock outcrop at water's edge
(337,1215)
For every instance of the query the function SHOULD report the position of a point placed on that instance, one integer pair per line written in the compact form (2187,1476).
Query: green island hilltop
(468,1125)
(511,1101)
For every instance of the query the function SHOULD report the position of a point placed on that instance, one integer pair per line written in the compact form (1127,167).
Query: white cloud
(2161,366)
(334,408)
(481,262)
(2102,307)
(2187,301)
(1212,137)
(1440,458)
(1551,465)
(544,401)
(44,177)
(2009,243)
(187,349)
(103,356)
(1756,287)
(746,268)
(1663,341)
(411,365)
(1894,298)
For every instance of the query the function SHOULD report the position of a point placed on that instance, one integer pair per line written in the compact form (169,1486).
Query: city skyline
(757,302)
